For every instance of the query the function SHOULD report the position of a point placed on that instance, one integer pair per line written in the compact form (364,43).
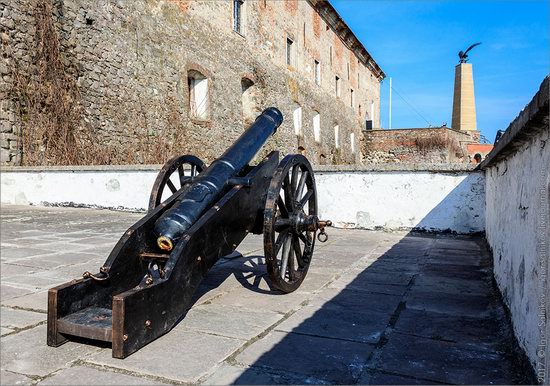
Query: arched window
(199,104)
(301,150)
(337,136)
(249,100)
(316,126)
(297,118)
(323,159)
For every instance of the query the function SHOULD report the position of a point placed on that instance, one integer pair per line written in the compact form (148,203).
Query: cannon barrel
(214,181)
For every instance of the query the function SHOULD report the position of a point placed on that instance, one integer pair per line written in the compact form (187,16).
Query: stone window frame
(352,142)
(337,135)
(187,93)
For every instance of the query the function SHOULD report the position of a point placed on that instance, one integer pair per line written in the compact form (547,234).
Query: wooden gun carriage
(147,283)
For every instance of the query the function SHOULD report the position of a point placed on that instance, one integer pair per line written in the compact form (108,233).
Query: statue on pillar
(463,55)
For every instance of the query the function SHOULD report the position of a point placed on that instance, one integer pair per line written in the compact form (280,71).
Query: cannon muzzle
(212,183)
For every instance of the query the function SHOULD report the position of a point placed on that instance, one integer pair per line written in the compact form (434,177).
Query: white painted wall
(518,233)
(117,189)
(403,200)
(432,201)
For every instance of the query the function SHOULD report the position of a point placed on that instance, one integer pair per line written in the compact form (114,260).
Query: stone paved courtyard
(375,308)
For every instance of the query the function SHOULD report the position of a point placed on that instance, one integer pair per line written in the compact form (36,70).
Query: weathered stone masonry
(131,61)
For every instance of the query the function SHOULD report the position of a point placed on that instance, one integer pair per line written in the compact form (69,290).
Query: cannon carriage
(196,215)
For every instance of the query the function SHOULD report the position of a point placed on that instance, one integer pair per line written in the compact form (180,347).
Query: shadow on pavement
(425,311)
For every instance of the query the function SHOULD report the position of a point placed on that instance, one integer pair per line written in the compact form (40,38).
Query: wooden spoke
(294,179)
(282,208)
(181,175)
(297,250)
(305,199)
(171,185)
(281,238)
(289,201)
(291,257)
(285,256)
(301,184)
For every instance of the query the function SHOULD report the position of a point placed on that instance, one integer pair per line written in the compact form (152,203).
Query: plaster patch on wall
(113,185)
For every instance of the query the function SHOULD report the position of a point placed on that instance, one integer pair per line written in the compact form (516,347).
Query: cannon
(196,215)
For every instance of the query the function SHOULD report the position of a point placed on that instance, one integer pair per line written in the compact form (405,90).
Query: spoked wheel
(174,174)
(290,223)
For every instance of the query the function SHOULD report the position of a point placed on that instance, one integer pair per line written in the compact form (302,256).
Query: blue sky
(417,44)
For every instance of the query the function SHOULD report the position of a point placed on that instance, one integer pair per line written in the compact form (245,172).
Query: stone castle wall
(430,145)
(126,63)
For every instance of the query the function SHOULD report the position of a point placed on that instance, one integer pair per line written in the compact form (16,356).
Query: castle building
(140,81)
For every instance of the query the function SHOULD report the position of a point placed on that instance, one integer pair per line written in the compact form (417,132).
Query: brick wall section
(431,145)
(130,61)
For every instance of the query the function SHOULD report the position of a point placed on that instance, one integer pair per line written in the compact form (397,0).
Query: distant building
(140,81)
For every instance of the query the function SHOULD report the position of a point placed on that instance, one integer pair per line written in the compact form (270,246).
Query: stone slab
(11,253)
(473,333)
(455,286)
(456,271)
(356,301)
(9,378)
(37,301)
(361,281)
(476,306)
(9,292)
(92,376)
(329,360)
(235,375)
(444,362)
(335,324)
(27,353)
(263,299)
(19,319)
(181,355)
(229,321)
(381,378)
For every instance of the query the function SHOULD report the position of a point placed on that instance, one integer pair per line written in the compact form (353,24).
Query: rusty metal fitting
(89,275)
(148,323)
(165,243)
(149,280)
(322,235)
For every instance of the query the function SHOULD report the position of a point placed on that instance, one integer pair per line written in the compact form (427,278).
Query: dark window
(289,55)
(317,72)
(237,15)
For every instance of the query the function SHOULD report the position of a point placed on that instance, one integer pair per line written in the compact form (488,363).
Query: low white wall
(404,200)
(389,200)
(517,231)
(105,188)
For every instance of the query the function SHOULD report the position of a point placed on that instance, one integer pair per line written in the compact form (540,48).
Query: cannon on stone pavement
(197,215)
